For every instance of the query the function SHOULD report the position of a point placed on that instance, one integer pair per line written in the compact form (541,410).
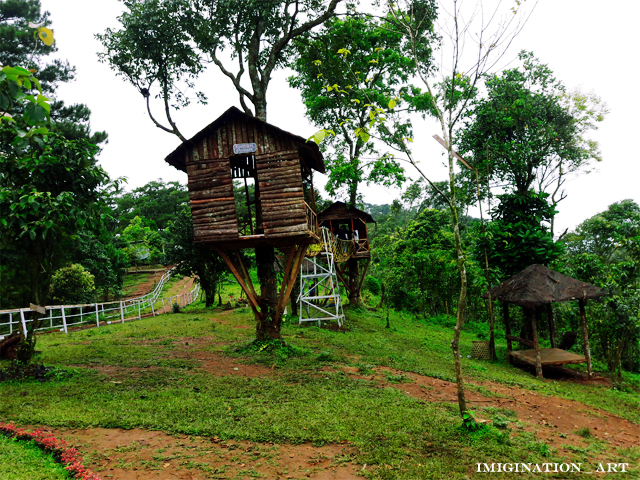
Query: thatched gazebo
(535,287)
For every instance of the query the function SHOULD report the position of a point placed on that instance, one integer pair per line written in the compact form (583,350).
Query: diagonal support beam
(296,257)
(364,274)
(253,300)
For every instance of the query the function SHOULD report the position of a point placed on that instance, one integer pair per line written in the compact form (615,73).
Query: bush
(175,308)
(73,285)
(372,284)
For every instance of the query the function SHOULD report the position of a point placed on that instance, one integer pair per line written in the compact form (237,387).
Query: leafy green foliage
(168,43)
(529,132)
(518,236)
(72,285)
(367,94)
(50,188)
(20,47)
(603,251)
(142,244)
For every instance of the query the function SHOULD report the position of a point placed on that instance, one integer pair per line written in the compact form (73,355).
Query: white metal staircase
(319,297)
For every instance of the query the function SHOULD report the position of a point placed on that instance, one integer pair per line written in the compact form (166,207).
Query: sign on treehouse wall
(240,148)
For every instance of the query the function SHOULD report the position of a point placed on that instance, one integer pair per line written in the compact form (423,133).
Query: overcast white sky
(585,42)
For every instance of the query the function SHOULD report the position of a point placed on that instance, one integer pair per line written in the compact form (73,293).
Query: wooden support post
(507,328)
(64,320)
(585,336)
(253,300)
(246,274)
(297,262)
(285,277)
(97,317)
(364,274)
(552,326)
(531,313)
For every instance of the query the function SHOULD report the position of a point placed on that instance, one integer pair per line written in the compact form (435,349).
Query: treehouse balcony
(250,184)
(349,225)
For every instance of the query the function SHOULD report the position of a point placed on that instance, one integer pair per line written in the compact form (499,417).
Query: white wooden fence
(97,313)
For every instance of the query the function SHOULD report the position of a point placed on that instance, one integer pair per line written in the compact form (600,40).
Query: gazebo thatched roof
(539,285)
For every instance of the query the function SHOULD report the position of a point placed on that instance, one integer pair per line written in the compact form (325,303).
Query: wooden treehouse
(535,289)
(349,226)
(250,185)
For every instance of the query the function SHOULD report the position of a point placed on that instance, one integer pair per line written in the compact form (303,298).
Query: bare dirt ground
(549,417)
(141,455)
(146,286)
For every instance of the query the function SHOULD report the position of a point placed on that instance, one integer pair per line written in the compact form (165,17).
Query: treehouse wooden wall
(281,195)
(211,185)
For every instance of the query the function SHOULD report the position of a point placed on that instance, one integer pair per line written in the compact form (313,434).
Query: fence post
(10,323)
(51,318)
(81,314)
(97,317)
(121,312)
(139,303)
(24,323)
(163,309)
(64,320)
(153,312)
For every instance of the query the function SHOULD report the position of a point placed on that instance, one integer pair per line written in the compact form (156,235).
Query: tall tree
(156,201)
(339,93)
(529,132)
(605,250)
(452,84)
(168,44)
(50,188)
(19,21)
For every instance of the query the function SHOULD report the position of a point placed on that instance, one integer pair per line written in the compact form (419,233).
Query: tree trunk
(209,290)
(267,324)
(354,279)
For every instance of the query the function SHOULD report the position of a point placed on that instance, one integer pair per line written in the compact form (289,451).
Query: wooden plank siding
(281,195)
(278,168)
(211,196)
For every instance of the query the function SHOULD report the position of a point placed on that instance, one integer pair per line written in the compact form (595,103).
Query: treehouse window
(246,195)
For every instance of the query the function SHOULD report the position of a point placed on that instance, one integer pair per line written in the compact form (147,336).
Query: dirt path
(147,286)
(554,420)
(138,454)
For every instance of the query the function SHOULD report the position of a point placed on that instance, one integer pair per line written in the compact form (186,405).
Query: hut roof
(340,211)
(309,150)
(539,285)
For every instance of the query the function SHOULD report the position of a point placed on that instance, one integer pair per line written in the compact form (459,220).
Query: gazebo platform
(548,357)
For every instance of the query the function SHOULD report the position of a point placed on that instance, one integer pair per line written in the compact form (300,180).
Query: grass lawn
(371,388)
(20,460)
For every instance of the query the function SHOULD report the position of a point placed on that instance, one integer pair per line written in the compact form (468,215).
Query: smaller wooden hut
(351,222)
(535,288)
(355,220)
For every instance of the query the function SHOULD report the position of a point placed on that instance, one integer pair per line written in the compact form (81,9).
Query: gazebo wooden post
(531,313)
(585,336)
(552,326)
(507,328)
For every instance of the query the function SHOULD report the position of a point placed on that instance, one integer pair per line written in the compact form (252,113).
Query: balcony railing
(312,220)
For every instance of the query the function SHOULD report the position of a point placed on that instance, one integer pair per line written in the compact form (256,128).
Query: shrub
(372,284)
(175,308)
(73,285)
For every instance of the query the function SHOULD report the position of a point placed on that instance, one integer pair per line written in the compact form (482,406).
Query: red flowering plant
(59,448)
